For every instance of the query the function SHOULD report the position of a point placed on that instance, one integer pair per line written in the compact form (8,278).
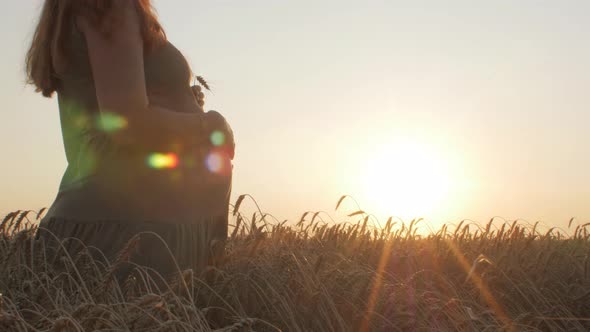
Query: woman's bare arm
(118,72)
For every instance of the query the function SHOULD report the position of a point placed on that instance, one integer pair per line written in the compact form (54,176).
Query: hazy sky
(457,109)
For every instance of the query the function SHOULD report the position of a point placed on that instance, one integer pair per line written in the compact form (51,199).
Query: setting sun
(406,179)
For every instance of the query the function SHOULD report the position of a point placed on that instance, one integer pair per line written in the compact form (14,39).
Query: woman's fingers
(201,99)
(199,95)
(196,90)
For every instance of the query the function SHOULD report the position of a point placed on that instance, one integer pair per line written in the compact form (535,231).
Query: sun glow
(407,180)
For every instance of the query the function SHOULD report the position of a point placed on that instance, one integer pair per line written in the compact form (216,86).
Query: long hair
(48,54)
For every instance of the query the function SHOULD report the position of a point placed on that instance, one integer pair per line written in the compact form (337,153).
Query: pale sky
(444,109)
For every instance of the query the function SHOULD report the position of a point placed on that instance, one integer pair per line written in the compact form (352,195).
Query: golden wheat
(312,275)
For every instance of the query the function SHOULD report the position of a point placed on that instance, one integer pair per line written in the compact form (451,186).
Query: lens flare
(162,161)
(218,162)
(110,122)
(215,162)
(217,138)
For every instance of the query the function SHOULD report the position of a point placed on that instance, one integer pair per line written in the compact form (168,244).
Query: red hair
(49,44)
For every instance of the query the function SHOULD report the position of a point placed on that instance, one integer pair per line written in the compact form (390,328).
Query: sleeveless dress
(110,193)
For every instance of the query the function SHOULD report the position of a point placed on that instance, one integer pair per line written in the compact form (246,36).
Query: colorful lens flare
(162,161)
(215,162)
(217,138)
(110,122)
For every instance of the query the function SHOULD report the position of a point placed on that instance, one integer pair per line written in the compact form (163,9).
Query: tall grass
(312,276)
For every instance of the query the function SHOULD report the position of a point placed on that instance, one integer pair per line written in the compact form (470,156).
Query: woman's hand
(199,95)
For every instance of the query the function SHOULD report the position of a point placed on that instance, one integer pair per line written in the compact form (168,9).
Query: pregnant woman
(143,157)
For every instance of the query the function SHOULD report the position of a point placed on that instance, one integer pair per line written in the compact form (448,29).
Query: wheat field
(313,274)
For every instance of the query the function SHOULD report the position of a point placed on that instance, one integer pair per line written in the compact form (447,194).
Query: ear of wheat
(202,82)
(350,274)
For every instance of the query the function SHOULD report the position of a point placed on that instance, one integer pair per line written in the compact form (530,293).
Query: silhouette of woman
(143,157)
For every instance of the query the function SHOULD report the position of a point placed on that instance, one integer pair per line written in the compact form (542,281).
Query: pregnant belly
(182,186)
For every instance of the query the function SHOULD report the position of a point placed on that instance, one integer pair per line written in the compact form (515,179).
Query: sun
(406,180)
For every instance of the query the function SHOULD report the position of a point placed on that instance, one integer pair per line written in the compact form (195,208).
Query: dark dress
(109,193)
